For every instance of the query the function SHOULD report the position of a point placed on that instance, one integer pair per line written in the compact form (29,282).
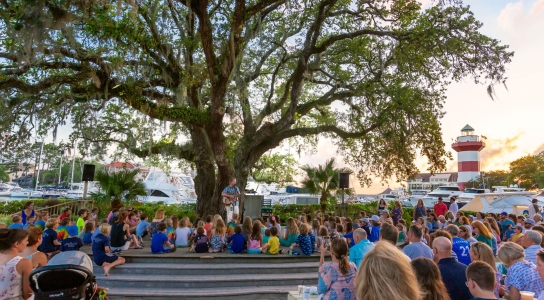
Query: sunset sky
(513,122)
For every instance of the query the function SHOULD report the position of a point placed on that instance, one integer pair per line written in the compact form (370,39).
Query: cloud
(496,155)
(539,149)
(517,20)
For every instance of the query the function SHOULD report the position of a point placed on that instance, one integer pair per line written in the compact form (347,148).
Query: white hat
(375,218)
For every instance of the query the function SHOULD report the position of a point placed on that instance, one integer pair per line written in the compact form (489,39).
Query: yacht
(174,189)
(469,194)
(444,191)
(502,202)
(6,187)
(76,190)
(19,192)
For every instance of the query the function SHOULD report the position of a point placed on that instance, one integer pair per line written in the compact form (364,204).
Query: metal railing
(74,205)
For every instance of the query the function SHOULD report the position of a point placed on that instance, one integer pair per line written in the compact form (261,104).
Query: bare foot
(106,267)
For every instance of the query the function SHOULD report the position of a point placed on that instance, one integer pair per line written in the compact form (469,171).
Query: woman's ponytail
(340,249)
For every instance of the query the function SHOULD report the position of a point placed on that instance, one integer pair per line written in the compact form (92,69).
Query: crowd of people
(443,254)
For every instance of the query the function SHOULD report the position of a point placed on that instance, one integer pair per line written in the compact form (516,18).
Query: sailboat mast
(73,164)
(38,167)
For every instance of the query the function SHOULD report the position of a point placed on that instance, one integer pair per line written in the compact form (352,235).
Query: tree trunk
(116,203)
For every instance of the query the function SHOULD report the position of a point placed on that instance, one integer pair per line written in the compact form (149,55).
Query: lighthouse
(468,147)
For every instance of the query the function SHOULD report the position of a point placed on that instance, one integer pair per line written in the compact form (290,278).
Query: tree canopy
(221,82)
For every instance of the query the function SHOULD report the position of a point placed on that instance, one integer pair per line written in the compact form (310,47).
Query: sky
(512,122)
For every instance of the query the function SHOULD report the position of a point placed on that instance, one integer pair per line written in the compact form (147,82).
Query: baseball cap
(519,227)
(73,230)
(364,220)
(375,218)
(504,213)
(385,211)
(530,221)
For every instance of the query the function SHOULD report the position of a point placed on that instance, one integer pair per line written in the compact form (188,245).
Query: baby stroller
(68,275)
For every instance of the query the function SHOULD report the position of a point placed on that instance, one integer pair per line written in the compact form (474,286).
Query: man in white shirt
(533,208)
(453,206)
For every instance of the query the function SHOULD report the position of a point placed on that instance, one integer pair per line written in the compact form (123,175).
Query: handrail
(74,205)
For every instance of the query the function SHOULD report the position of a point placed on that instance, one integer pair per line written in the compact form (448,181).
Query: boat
(76,190)
(6,187)
(178,188)
(470,193)
(19,192)
(443,191)
(498,203)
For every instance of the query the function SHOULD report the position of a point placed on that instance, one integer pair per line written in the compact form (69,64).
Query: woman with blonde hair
(482,233)
(218,239)
(420,211)
(521,275)
(385,273)
(482,252)
(159,217)
(430,280)
(336,278)
(291,233)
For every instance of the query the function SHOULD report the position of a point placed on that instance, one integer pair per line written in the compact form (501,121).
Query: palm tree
(323,181)
(120,185)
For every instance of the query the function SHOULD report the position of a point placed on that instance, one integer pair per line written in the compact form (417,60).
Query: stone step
(216,269)
(222,258)
(226,293)
(141,282)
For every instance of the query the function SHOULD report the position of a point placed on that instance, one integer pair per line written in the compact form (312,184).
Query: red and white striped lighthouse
(468,147)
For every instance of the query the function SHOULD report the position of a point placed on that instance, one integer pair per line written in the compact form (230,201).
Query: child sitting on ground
(200,242)
(266,236)
(254,245)
(171,229)
(312,237)
(340,230)
(94,215)
(332,230)
(82,213)
(273,246)
(50,244)
(232,224)
(29,222)
(303,244)
(516,237)
(182,234)
(16,222)
(217,233)
(142,228)
(43,217)
(101,250)
(159,241)
(72,242)
(236,242)
(62,230)
(87,236)
(323,232)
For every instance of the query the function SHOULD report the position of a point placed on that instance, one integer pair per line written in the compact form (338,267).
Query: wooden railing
(74,205)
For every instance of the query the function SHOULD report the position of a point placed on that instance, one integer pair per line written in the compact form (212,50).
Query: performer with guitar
(230,198)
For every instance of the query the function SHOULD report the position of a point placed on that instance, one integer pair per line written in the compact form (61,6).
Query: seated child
(171,229)
(273,246)
(312,237)
(218,233)
(82,215)
(332,230)
(232,224)
(402,235)
(16,222)
(29,221)
(303,244)
(509,231)
(159,241)
(236,242)
(72,242)
(94,215)
(254,245)
(44,216)
(62,230)
(200,242)
(266,236)
(518,229)
(182,233)
(142,229)
(323,232)
(101,250)
(87,236)
(340,230)
(50,244)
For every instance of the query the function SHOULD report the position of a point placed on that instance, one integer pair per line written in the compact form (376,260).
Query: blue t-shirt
(88,238)
(27,224)
(157,242)
(40,224)
(16,226)
(48,237)
(461,248)
(100,242)
(110,221)
(350,236)
(238,242)
(305,244)
(141,227)
(374,234)
(418,249)
(71,244)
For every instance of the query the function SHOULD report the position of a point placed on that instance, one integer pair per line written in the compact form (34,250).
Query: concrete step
(215,258)
(216,269)
(228,293)
(140,282)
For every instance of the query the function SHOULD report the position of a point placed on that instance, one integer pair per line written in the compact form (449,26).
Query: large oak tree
(238,77)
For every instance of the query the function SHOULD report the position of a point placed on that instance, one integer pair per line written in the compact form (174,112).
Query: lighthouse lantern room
(468,147)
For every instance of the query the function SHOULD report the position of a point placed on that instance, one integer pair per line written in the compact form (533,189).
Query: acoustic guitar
(228,201)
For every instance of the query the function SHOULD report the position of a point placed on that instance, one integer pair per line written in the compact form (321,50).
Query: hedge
(189,210)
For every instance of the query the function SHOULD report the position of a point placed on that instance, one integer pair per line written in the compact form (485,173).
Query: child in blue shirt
(509,231)
(72,242)
(237,241)
(303,245)
(29,221)
(44,216)
(102,252)
(87,233)
(50,244)
(16,222)
(159,241)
